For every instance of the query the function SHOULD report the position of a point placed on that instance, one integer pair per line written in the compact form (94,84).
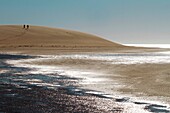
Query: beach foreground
(24,88)
(82,83)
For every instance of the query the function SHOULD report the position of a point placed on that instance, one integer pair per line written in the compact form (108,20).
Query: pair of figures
(26,26)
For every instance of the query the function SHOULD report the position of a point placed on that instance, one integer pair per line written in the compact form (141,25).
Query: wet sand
(151,79)
(22,91)
(41,100)
(137,77)
(49,89)
(145,81)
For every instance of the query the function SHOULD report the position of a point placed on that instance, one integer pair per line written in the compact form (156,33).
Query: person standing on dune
(27,26)
(24,26)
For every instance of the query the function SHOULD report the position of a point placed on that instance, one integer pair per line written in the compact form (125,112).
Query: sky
(122,21)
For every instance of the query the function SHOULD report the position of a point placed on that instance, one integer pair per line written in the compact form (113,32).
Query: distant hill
(16,36)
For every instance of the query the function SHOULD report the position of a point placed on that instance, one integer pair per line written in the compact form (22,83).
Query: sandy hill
(38,36)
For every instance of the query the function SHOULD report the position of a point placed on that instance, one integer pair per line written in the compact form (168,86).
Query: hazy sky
(123,21)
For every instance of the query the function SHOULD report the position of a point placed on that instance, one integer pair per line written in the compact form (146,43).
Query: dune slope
(15,35)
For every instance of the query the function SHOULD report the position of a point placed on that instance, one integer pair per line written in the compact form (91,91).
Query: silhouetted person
(24,26)
(28,26)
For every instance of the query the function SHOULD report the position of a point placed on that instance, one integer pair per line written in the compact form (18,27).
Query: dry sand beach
(55,70)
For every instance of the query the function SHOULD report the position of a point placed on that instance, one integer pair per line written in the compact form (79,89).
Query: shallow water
(25,76)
